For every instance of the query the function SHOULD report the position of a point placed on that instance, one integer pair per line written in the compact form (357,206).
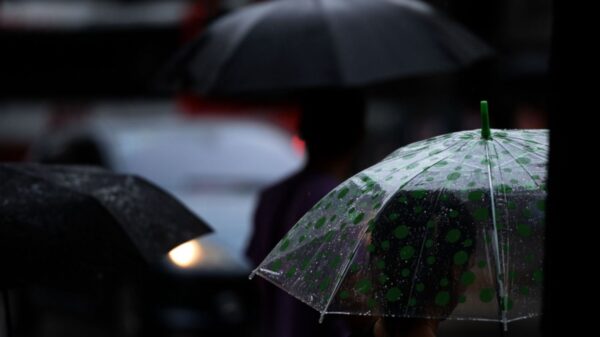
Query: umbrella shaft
(501,290)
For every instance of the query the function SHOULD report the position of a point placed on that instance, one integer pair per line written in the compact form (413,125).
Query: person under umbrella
(286,47)
(331,139)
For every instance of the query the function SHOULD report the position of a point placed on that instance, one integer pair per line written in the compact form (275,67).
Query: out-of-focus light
(187,254)
(298,145)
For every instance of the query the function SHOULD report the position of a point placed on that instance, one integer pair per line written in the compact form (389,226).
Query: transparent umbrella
(446,228)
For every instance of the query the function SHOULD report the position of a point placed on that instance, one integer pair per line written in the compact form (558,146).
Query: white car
(215,165)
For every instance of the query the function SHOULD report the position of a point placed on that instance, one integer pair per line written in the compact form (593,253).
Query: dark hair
(428,237)
(332,121)
(79,151)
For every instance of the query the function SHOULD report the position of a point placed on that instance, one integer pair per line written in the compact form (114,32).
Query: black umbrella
(288,45)
(65,222)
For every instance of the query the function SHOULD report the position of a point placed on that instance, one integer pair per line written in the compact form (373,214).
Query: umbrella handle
(485,121)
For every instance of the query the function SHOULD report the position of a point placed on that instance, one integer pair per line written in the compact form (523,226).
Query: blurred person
(332,127)
(79,151)
(439,278)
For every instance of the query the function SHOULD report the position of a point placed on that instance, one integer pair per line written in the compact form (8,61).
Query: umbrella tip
(485,121)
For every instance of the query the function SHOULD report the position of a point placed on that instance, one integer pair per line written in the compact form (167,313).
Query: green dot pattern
(407,252)
(284,245)
(344,294)
(486,295)
(467,278)
(364,286)
(442,298)
(453,176)
(524,230)
(461,257)
(393,295)
(416,230)
(401,232)
(453,235)
(320,223)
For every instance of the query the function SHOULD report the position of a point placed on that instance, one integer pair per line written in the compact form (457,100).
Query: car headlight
(187,254)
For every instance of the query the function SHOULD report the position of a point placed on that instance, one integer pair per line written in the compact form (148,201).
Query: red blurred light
(298,145)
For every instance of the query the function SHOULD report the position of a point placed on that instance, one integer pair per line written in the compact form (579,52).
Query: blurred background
(78,86)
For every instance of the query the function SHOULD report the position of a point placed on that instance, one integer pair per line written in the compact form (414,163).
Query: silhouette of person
(332,126)
(79,151)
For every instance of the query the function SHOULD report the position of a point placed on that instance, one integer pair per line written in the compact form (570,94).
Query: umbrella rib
(521,165)
(296,248)
(343,275)
(505,256)
(500,284)
(430,156)
(390,196)
(534,153)
(529,141)
(456,144)
(465,143)
(426,167)
(416,149)
(228,59)
(526,141)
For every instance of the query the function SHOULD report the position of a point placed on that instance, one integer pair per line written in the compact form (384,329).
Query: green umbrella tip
(485,121)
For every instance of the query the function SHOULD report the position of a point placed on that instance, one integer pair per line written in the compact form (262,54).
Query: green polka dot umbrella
(446,228)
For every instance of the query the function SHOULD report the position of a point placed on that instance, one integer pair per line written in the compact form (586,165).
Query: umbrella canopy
(59,221)
(449,227)
(287,45)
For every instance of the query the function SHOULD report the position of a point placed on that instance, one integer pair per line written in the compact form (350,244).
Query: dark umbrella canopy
(289,45)
(58,221)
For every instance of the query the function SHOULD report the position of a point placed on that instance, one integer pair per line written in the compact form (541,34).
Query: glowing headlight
(187,254)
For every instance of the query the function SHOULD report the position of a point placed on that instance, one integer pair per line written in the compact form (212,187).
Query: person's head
(79,151)
(332,123)
(429,238)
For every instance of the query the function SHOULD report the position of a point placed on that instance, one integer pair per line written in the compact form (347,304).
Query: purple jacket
(279,208)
